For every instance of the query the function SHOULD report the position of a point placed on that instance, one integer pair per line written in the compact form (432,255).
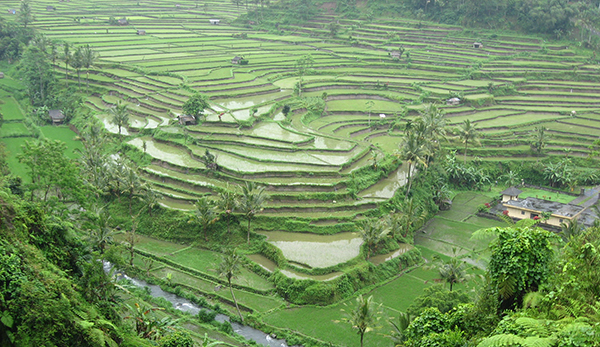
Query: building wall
(517,213)
(506,198)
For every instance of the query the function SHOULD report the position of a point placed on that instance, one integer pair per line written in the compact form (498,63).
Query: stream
(185,305)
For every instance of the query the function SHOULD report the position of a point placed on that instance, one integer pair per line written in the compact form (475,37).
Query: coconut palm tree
(67,55)
(150,198)
(539,139)
(120,115)
(468,133)
(363,317)
(435,126)
(413,151)
(131,184)
(205,214)
(570,229)
(101,232)
(77,63)
(229,268)
(511,178)
(227,203)
(252,200)
(88,57)
(451,271)
(372,232)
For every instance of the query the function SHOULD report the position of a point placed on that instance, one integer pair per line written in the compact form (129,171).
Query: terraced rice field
(365,93)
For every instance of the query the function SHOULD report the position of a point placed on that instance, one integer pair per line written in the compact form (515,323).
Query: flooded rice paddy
(316,251)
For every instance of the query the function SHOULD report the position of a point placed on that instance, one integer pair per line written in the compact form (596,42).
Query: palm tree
(120,115)
(468,133)
(435,126)
(452,271)
(88,58)
(372,232)
(101,233)
(67,58)
(511,178)
(570,229)
(77,63)
(413,151)
(131,184)
(539,138)
(364,317)
(229,268)
(252,201)
(150,198)
(227,203)
(206,214)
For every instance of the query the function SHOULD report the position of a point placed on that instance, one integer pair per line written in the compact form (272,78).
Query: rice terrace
(333,156)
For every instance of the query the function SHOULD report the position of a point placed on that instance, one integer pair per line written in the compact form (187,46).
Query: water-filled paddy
(167,153)
(387,187)
(316,251)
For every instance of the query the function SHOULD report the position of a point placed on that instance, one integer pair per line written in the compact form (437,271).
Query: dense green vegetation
(317,169)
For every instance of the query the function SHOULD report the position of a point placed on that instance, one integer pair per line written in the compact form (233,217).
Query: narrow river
(185,305)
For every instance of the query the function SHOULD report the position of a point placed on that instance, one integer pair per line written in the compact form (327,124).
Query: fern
(531,327)
(503,340)
(534,341)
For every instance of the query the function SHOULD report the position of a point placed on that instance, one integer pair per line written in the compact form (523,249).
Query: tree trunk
(409,178)
(235,302)
(249,218)
(362,335)
(465,158)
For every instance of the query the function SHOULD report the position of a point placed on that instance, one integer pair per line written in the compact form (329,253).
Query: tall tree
(50,170)
(372,232)
(120,115)
(131,184)
(36,71)
(520,262)
(25,16)
(363,317)
(88,58)
(205,214)
(468,133)
(413,151)
(67,55)
(195,105)
(101,231)
(452,271)
(77,63)
(227,203)
(229,268)
(252,200)
(539,139)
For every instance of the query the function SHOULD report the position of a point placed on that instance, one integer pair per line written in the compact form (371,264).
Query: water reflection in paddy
(302,276)
(164,152)
(263,261)
(386,188)
(378,259)
(316,251)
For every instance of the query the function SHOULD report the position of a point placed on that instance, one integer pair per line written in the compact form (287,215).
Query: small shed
(477,45)
(214,21)
(141,32)
(12,11)
(177,5)
(395,55)
(511,193)
(1,74)
(50,8)
(237,59)
(123,21)
(453,101)
(187,120)
(56,116)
